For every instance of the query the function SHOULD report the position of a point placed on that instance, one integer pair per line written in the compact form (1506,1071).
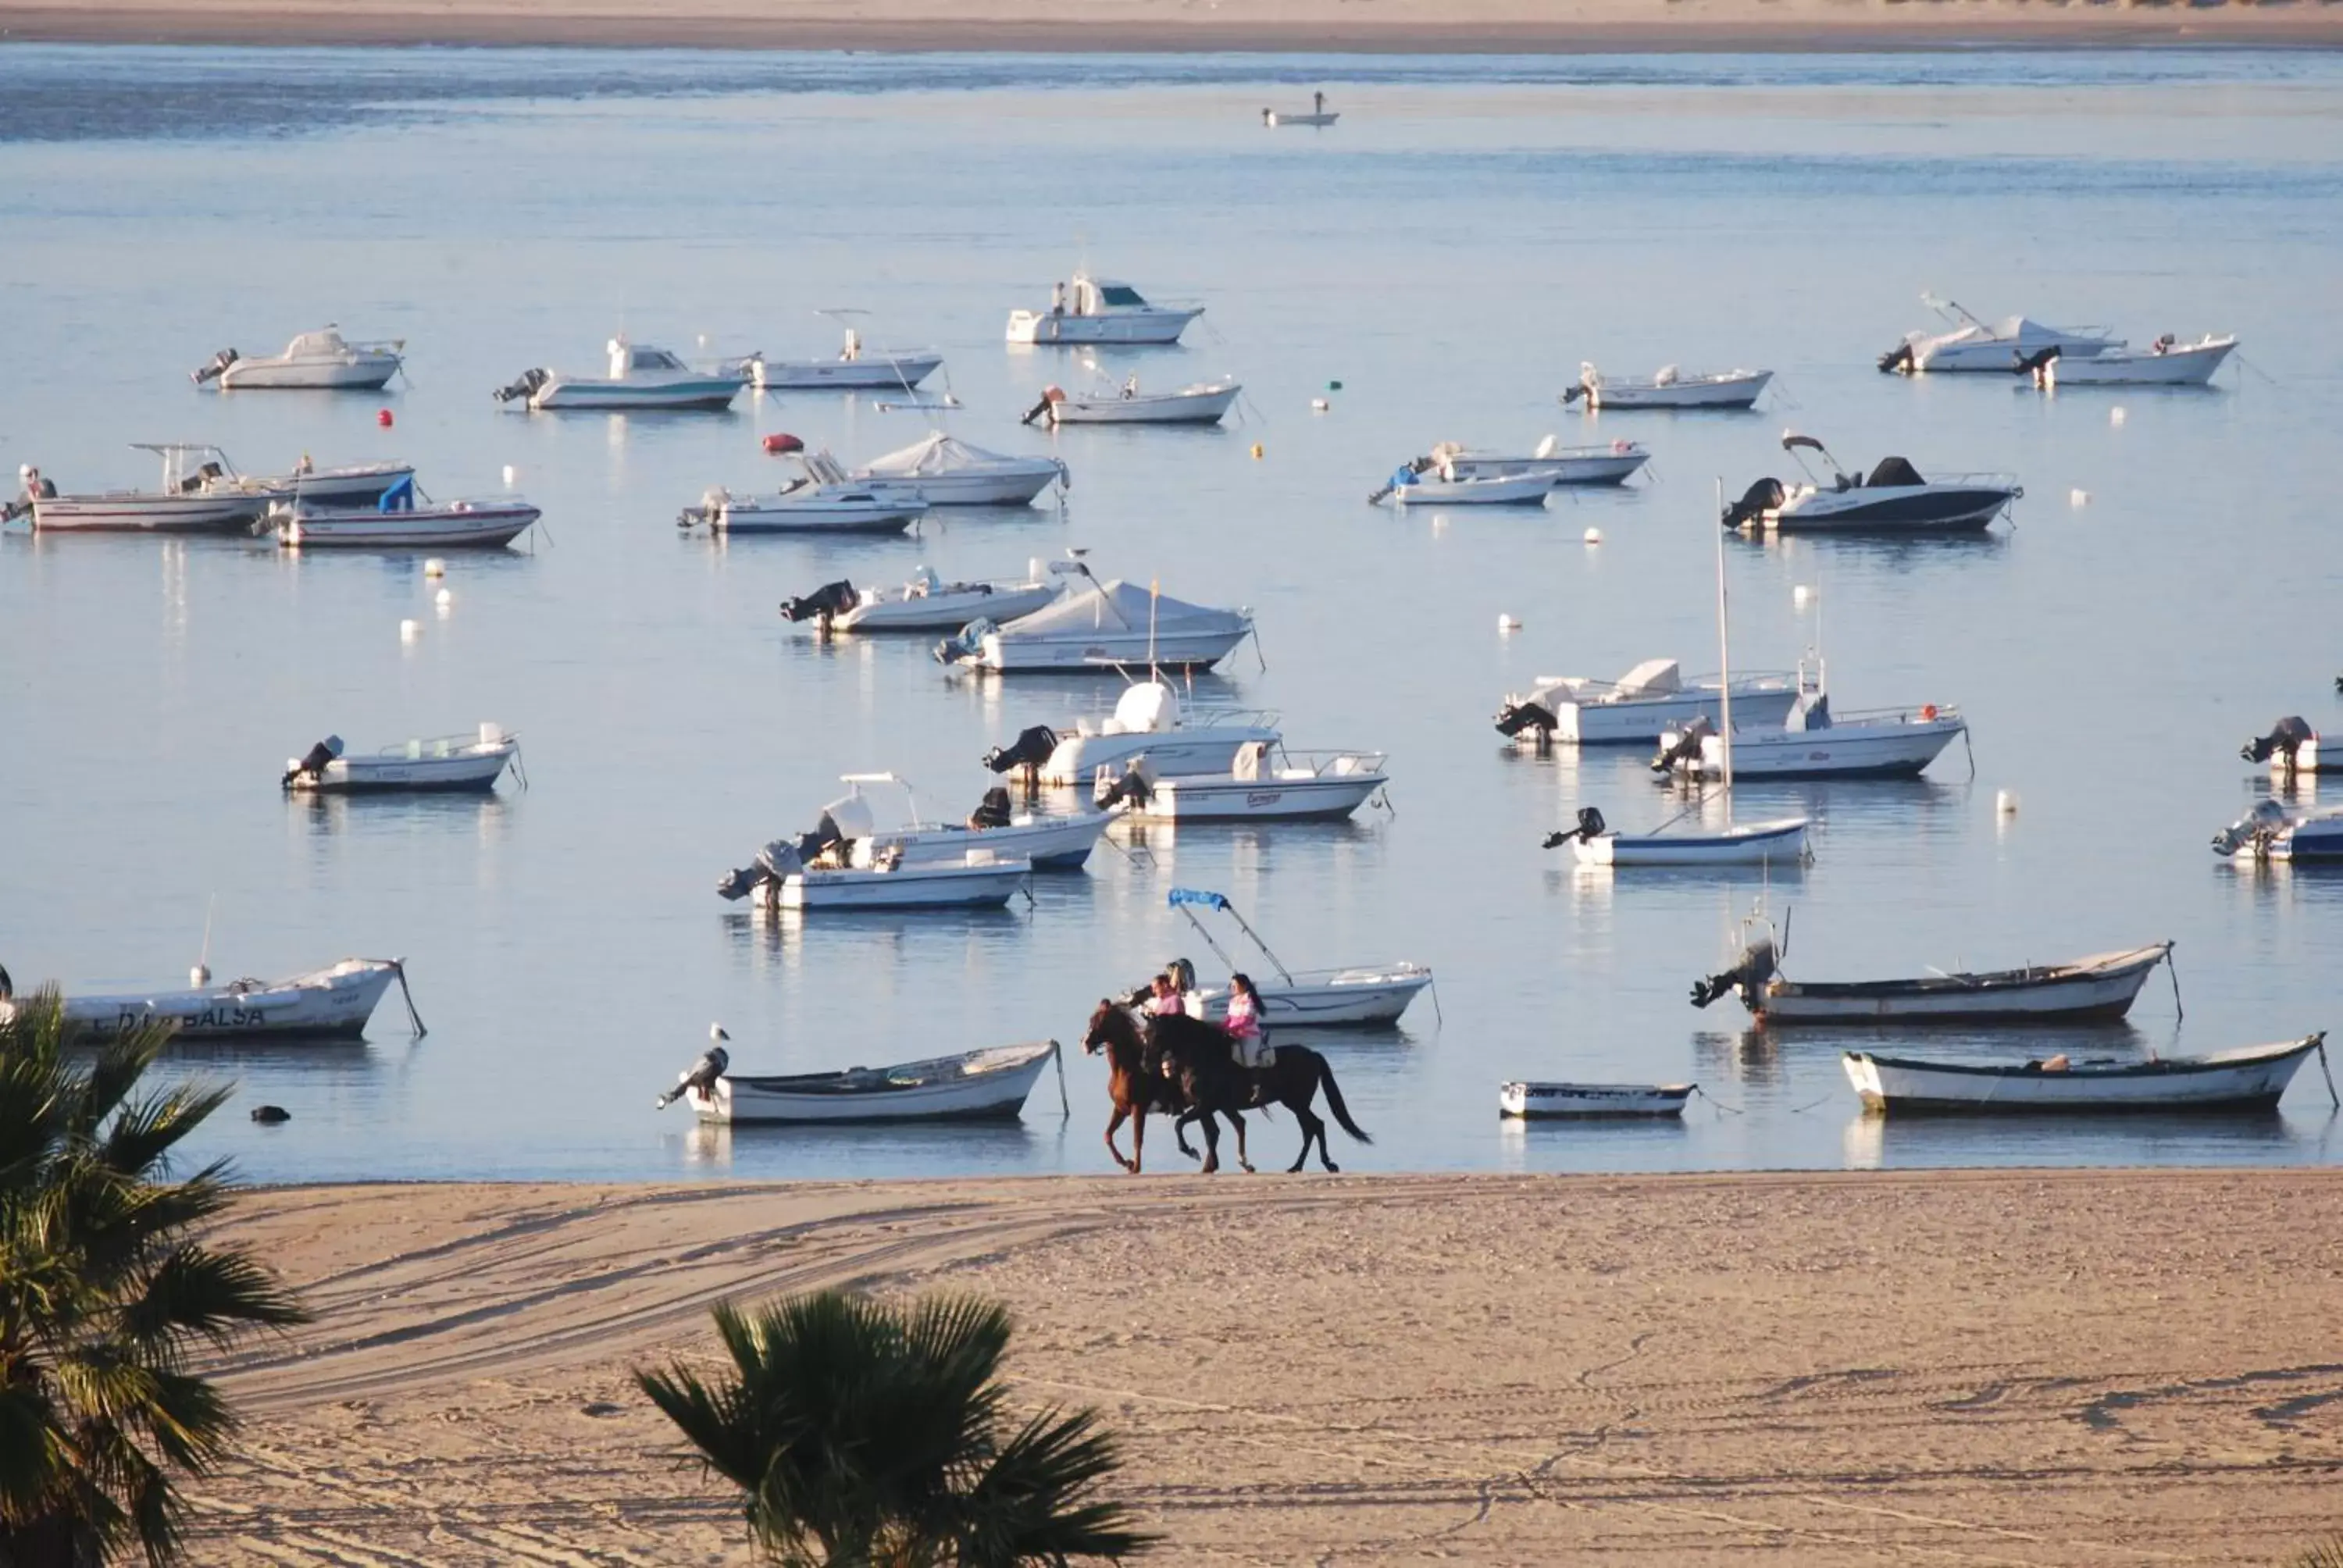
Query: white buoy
(408,630)
(2116,414)
(1507,623)
(2005,802)
(511,474)
(2079,498)
(1319,405)
(1594,536)
(1799,594)
(198,978)
(444,597)
(435,567)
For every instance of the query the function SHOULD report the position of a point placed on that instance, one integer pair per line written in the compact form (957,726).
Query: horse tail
(1334,1101)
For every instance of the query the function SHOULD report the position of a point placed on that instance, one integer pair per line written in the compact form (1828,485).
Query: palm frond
(214,1294)
(2326,1553)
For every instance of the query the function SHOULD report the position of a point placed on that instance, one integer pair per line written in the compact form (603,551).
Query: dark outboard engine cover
(1590,825)
(1029,749)
(830,598)
(1899,357)
(1515,717)
(524,386)
(1756,501)
(2285,738)
(1686,748)
(993,811)
(314,761)
(1133,787)
(1748,975)
(220,362)
(2032,363)
(702,1075)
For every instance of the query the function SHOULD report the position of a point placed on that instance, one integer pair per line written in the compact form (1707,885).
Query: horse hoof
(1333,1168)
(1248,1169)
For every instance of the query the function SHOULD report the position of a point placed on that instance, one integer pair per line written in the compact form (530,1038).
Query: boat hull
(324,1003)
(434,528)
(995,1093)
(1147,409)
(914,886)
(1858,749)
(1643,720)
(1604,468)
(1493,490)
(1268,799)
(1537,1101)
(2251,1079)
(1171,754)
(558,396)
(1365,997)
(474,770)
(817,517)
(1893,508)
(2100,988)
(1108,655)
(1725,392)
(1016,486)
(1978,356)
(1050,843)
(367,373)
(1758,843)
(1155,325)
(869,372)
(141,513)
(944,611)
(2190,366)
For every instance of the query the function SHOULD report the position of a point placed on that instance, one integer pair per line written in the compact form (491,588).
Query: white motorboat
(976,1085)
(1267,784)
(1611,463)
(1149,720)
(1054,843)
(1895,499)
(926,603)
(2292,748)
(2273,831)
(1099,310)
(1317,114)
(1362,995)
(396,522)
(946,471)
(1533,1101)
(1104,627)
(447,762)
(2166,363)
(2252,1078)
(321,1004)
(1975,346)
(201,492)
(1781,841)
(1201,404)
(979,880)
(2100,988)
(1669,388)
(809,504)
(321,361)
(1814,743)
(1434,481)
(855,368)
(640,377)
(1647,702)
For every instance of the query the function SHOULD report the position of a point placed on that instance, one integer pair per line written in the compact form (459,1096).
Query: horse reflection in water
(1187,1069)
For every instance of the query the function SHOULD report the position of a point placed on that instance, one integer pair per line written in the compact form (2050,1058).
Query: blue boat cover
(1197,896)
(399,498)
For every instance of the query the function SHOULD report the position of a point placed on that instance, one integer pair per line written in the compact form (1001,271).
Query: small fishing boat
(1318,115)
(945,471)
(640,377)
(825,870)
(1052,843)
(926,603)
(352,485)
(1534,1101)
(2273,831)
(1149,720)
(1360,996)
(2252,1078)
(990,1084)
(1781,841)
(1099,310)
(1266,784)
(2167,363)
(855,366)
(201,492)
(396,522)
(1103,628)
(1433,481)
(1975,346)
(324,1004)
(1813,742)
(1201,404)
(447,763)
(1611,463)
(807,504)
(2291,749)
(2100,987)
(322,360)
(1895,499)
(1640,707)
(1669,388)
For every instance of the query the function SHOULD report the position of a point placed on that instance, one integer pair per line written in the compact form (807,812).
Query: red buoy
(781,441)
(382,418)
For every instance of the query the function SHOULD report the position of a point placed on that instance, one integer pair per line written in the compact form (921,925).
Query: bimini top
(935,453)
(1197,896)
(1120,605)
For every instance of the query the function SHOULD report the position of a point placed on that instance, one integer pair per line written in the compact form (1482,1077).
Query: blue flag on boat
(1197,896)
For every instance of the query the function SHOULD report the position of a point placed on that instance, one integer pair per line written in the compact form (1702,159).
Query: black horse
(1199,1059)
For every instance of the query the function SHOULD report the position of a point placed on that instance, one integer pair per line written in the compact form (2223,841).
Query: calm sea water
(1449,252)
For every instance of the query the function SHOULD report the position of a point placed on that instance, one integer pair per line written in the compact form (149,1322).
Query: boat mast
(1724,652)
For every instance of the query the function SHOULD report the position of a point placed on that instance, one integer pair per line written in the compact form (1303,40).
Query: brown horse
(1196,1061)
(1135,1081)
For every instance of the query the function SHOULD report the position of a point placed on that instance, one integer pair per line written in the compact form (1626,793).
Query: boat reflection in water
(872,1150)
(1871,1142)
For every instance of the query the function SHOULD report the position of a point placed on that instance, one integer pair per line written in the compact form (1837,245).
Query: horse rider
(1247,1044)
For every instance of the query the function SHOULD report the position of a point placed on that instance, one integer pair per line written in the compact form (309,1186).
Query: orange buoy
(781,441)
(382,418)
(1928,710)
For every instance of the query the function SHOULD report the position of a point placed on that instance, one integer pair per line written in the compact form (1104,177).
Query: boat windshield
(1119,294)
(652,359)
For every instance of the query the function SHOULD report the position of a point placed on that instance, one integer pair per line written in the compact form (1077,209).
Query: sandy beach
(1410,27)
(1963,1367)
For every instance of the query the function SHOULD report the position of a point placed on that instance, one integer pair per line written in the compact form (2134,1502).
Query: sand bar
(1403,26)
(1989,1368)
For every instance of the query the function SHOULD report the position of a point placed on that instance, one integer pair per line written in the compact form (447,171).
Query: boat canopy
(1893,471)
(310,345)
(935,453)
(1198,896)
(851,816)
(399,498)
(1124,606)
(1147,708)
(1653,678)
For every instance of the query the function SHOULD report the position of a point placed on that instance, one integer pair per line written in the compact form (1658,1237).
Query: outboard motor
(1756,501)
(2285,738)
(211,372)
(1515,717)
(1030,750)
(702,1075)
(992,811)
(2037,365)
(525,386)
(1686,748)
(1748,975)
(1591,826)
(1136,785)
(830,598)
(314,761)
(1049,395)
(965,643)
(1899,358)
(2252,831)
(775,862)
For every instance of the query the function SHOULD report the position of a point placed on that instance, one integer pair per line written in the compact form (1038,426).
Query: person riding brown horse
(1194,1073)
